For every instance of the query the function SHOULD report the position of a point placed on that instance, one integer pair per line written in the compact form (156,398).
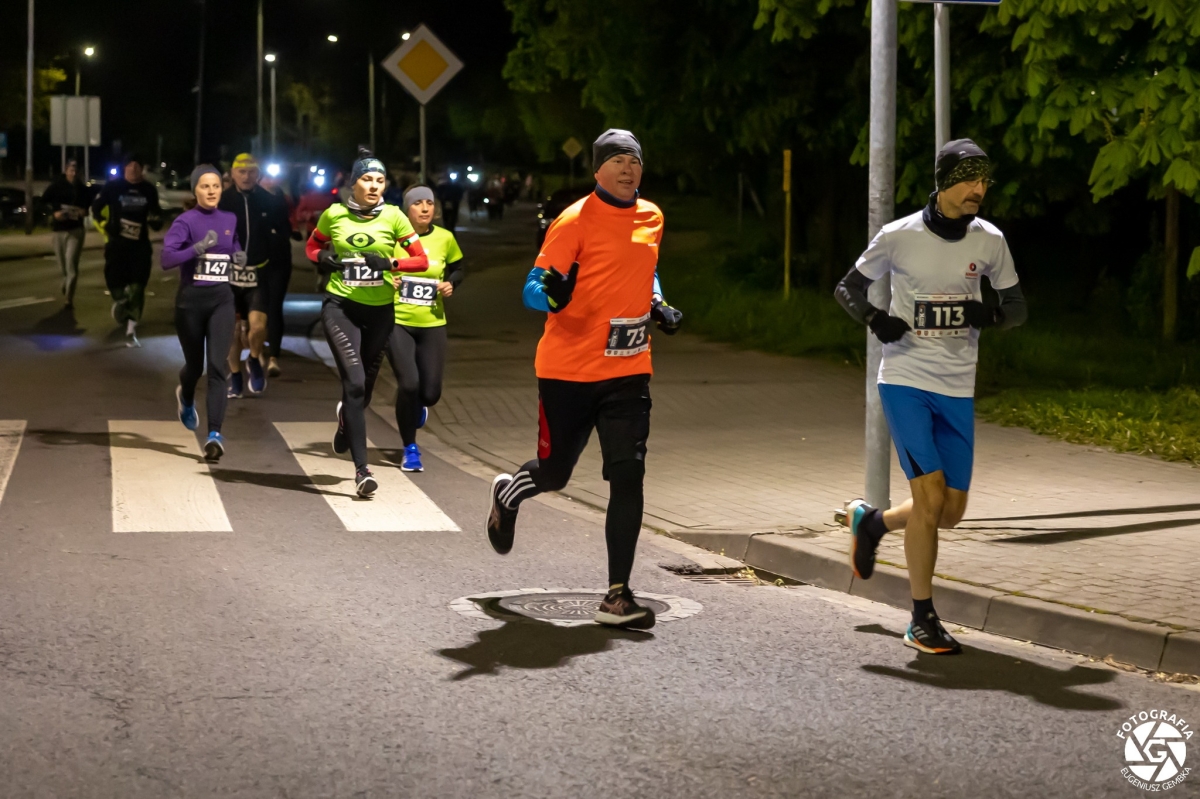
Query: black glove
(668,318)
(328,263)
(205,244)
(379,263)
(560,287)
(239,258)
(887,329)
(980,316)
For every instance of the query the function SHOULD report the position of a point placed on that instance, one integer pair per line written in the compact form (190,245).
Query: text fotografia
(1155,750)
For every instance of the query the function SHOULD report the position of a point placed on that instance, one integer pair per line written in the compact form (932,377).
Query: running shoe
(256,378)
(620,609)
(273,369)
(424,417)
(501,521)
(117,314)
(412,459)
(235,386)
(364,482)
(863,546)
(214,448)
(131,340)
(930,637)
(341,444)
(187,413)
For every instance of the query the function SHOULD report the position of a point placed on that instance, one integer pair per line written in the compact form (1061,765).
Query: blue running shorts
(932,432)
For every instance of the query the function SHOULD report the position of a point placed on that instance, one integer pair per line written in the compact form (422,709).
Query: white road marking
(23,301)
(160,482)
(11,433)
(398,505)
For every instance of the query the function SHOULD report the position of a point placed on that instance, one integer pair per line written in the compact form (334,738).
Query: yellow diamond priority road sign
(422,65)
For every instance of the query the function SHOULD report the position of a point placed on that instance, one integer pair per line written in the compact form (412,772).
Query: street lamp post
(29,128)
(271,60)
(89,52)
(259,139)
(200,85)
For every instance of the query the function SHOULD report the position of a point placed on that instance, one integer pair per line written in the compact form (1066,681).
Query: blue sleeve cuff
(657,285)
(534,294)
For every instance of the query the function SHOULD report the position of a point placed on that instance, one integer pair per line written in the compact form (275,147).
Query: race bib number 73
(940,315)
(627,337)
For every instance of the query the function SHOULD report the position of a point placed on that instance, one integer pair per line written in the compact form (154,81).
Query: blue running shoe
(929,636)
(214,448)
(412,459)
(257,377)
(424,417)
(235,386)
(187,413)
(863,545)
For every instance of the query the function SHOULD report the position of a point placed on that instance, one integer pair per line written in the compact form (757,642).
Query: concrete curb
(1149,646)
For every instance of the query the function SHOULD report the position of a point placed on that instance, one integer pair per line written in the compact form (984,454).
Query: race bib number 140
(940,315)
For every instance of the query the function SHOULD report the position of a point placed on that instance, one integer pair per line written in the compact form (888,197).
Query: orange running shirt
(617,251)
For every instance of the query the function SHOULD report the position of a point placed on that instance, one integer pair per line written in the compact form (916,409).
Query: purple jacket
(191,227)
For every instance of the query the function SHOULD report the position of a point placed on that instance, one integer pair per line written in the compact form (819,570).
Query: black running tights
(204,319)
(358,336)
(418,357)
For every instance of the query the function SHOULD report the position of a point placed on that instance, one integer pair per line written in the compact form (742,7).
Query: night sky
(146,63)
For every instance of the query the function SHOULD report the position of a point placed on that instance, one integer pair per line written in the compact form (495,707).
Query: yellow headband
(245,161)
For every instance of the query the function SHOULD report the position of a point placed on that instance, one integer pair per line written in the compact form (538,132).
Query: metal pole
(881,190)
(423,165)
(200,85)
(259,140)
(76,79)
(741,194)
(371,92)
(941,72)
(787,223)
(29,128)
(273,140)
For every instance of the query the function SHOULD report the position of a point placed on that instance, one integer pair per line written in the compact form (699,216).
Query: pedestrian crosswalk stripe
(160,482)
(11,433)
(398,506)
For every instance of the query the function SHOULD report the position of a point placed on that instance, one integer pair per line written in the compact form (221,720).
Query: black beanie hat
(366,162)
(958,161)
(612,142)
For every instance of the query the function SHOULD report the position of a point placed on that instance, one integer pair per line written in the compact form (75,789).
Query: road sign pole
(371,93)
(423,153)
(881,189)
(259,138)
(787,223)
(941,72)
(29,128)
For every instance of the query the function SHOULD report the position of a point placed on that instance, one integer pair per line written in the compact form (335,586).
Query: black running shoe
(364,482)
(620,609)
(501,521)
(930,637)
(341,444)
(863,545)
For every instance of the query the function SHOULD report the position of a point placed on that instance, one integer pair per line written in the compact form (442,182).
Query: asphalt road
(292,657)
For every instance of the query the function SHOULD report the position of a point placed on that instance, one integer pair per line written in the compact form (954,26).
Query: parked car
(554,205)
(12,208)
(173,189)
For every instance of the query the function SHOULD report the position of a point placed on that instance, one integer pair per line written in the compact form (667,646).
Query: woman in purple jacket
(203,243)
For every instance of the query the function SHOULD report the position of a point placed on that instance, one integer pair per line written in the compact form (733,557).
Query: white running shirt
(931,278)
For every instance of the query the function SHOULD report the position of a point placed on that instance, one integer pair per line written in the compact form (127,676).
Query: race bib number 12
(940,315)
(357,273)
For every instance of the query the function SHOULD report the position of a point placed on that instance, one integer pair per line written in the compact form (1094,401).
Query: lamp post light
(89,52)
(331,38)
(270,59)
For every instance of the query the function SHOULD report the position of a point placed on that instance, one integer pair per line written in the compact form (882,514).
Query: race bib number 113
(940,315)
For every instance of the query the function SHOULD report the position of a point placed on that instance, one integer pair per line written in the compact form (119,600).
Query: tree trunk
(1171,267)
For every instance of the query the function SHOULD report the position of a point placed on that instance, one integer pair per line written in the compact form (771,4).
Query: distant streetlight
(270,59)
(331,37)
(404,36)
(89,52)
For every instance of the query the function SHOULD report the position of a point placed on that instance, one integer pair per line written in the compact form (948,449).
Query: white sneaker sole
(618,621)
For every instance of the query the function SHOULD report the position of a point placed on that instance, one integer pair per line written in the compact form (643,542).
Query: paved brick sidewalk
(748,442)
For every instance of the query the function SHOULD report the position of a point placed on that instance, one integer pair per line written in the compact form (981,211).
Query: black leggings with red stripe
(357,334)
(619,411)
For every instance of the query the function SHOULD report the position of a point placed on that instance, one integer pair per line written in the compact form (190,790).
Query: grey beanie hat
(366,162)
(200,171)
(612,142)
(416,194)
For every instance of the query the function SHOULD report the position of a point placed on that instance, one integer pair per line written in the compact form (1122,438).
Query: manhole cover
(563,607)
